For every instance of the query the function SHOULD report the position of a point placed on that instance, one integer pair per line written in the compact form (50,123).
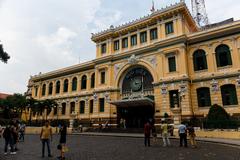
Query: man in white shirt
(182,130)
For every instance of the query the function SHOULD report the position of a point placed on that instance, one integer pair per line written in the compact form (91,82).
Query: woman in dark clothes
(63,136)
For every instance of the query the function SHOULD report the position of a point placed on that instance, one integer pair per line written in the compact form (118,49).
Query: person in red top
(147,132)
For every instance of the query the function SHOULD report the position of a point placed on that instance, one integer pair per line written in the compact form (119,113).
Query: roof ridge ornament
(153,7)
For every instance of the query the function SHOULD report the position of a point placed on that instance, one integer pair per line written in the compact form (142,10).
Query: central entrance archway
(136,105)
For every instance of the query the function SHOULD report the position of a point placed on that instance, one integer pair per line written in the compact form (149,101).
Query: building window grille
(203,96)
(82,107)
(133,40)
(103,48)
(84,82)
(101,104)
(153,34)
(116,45)
(172,64)
(143,37)
(229,95)
(169,27)
(199,60)
(125,42)
(223,56)
(74,84)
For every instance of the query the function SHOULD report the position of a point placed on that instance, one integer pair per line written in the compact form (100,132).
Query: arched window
(93,80)
(74,84)
(229,95)
(223,56)
(199,60)
(84,82)
(72,107)
(203,96)
(50,88)
(44,90)
(82,107)
(65,87)
(58,87)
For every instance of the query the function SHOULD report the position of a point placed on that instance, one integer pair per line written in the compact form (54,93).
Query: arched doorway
(136,105)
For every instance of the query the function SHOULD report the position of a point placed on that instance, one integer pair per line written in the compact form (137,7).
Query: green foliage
(3,55)
(217,112)
(219,118)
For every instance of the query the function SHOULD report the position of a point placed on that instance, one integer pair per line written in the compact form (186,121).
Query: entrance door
(135,117)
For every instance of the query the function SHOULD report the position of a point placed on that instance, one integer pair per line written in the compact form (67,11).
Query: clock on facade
(136,84)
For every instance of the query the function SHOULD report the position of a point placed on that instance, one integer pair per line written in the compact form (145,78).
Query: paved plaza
(84,147)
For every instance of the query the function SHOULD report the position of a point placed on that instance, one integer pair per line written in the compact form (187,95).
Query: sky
(45,35)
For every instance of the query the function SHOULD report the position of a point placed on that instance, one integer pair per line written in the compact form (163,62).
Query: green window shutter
(172,64)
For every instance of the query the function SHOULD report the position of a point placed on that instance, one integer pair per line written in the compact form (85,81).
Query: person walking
(192,136)
(165,135)
(46,134)
(63,139)
(8,136)
(182,130)
(147,131)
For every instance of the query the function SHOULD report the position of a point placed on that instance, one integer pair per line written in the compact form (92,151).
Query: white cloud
(41,36)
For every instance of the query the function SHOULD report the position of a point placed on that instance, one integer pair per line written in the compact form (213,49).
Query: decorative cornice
(149,17)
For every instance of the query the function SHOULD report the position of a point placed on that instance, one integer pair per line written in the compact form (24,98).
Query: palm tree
(3,55)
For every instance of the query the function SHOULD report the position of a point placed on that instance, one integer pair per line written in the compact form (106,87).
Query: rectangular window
(104,48)
(82,107)
(63,108)
(116,45)
(172,64)
(133,40)
(125,42)
(36,91)
(153,34)
(143,37)
(101,104)
(174,98)
(91,106)
(169,27)
(103,77)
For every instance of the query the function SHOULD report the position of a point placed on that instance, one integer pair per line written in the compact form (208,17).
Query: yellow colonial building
(160,64)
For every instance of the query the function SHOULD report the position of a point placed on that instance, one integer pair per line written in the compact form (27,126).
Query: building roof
(4,96)
(158,14)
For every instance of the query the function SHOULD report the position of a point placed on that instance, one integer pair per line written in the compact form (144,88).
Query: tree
(218,118)
(4,57)
(13,106)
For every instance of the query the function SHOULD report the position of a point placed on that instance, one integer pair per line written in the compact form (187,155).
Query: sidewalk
(234,142)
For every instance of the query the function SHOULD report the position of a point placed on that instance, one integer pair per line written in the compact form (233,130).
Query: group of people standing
(166,130)
(46,138)
(13,133)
